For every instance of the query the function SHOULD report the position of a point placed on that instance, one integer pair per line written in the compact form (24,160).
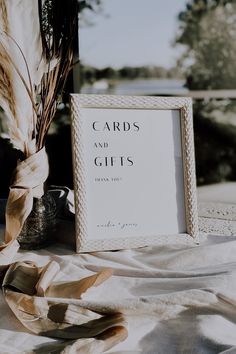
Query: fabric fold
(85,331)
(29,178)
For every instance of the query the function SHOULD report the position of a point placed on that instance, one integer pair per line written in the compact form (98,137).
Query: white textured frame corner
(184,105)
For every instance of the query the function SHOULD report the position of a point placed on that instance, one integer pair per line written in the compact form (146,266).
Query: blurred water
(137,87)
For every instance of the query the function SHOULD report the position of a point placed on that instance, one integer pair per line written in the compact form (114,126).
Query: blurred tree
(90,74)
(208,29)
(108,73)
(86,6)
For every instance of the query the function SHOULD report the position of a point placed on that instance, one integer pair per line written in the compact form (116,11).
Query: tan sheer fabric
(42,306)
(29,179)
(30,176)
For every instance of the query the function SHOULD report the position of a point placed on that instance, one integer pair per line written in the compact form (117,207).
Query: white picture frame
(124,144)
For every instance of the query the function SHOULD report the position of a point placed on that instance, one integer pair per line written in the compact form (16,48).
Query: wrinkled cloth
(29,178)
(175,299)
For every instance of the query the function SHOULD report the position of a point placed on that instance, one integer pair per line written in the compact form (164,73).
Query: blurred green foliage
(215,141)
(208,31)
(89,5)
(90,74)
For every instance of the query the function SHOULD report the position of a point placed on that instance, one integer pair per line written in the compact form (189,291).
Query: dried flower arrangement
(36,54)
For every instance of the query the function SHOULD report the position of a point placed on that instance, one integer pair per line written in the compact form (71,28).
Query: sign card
(131,157)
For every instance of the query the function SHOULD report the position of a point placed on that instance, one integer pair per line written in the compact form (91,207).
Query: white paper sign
(133,173)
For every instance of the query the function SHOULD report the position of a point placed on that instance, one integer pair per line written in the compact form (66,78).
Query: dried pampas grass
(6,86)
(36,54)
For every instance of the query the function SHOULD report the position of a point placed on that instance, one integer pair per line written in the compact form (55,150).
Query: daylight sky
(132,32)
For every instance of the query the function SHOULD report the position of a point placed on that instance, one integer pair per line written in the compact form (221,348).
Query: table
(176,299)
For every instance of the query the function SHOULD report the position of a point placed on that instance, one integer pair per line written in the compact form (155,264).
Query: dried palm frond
(7,98)
(3,14)
(22,67)
(6,86)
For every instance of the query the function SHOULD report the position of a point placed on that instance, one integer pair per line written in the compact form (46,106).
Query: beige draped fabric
(41,306)
(29,178)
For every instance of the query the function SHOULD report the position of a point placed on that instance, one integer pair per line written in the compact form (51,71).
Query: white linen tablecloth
(176,299)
